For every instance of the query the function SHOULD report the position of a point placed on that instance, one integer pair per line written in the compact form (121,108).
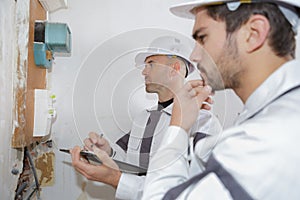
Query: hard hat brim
(142,56)
(184,9)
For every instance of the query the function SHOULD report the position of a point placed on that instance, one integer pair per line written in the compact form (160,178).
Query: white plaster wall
(9,158)
(103,34)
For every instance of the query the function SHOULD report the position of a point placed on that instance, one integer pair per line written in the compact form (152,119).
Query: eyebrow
(150,61)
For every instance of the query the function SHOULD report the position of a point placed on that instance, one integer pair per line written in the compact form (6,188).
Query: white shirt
(131,186)
(260,153)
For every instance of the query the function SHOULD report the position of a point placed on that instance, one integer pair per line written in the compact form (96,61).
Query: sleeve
(169,167)
(119,148)
(206,131)
(130,187)
(213,187)
(119,153)
(207,124)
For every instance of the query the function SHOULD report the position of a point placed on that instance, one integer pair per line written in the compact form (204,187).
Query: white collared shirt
(259,154)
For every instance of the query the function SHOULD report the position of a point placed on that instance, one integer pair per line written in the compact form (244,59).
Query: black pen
(65,150)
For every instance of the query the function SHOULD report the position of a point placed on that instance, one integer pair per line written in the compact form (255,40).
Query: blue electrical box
(58,37)
(40,55)
(48,39)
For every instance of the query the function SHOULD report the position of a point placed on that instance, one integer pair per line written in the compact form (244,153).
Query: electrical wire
(33,170)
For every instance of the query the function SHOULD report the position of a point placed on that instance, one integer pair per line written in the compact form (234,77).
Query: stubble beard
(229,65)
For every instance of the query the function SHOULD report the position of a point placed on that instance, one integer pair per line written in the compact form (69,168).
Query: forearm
(113,178)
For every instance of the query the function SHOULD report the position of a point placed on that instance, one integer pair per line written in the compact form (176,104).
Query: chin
(149,90)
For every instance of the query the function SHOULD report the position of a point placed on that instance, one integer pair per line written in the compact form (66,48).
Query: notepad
(123,166)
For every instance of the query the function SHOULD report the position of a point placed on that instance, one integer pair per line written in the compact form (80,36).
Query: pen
(65,150)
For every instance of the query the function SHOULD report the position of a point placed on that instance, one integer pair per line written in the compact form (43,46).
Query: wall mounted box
(42,121)
(40,55)
(50,38)
(58,37)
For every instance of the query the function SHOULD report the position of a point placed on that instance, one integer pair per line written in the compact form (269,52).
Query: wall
(91,85)
(10,52)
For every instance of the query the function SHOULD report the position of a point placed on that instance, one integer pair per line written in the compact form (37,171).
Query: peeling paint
(27,76)
(20,76)
(9,158)
(16,123)
(45,165)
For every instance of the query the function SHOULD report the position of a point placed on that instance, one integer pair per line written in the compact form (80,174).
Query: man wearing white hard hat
(252,44)
(165,65)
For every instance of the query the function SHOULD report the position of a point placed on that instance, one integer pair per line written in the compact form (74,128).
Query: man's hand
(97,140)
(108,172)
(187,103)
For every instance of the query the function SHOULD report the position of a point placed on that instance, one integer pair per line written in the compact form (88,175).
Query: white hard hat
(287,7)
(169,46)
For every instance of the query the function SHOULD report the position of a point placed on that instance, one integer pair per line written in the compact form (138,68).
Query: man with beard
(252,45)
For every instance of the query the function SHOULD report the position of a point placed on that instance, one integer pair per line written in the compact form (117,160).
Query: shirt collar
(282,80)
(167,110)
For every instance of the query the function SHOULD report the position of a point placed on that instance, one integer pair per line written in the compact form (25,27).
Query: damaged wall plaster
(20,76)
(28,76)
(45,165)
(13,33)
(14,36)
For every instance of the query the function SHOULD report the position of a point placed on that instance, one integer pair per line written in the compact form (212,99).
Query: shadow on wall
(91,189)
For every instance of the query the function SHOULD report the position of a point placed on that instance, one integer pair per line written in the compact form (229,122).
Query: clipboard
(123,166)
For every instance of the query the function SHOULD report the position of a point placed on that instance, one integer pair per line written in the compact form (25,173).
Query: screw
(15,171)
(49,143)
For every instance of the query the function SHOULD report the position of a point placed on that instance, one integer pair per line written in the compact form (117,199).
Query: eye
(201,39)
(149,65)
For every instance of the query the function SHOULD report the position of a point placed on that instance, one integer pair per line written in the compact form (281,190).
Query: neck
(256,74)
(165,95)
(164,104)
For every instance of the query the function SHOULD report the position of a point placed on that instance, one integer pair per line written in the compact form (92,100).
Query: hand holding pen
(99,141)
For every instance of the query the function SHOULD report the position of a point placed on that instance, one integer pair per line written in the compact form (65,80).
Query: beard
(230,64)
(225,72)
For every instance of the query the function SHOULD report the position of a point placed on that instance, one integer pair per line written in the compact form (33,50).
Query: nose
(196,53)
(145,71)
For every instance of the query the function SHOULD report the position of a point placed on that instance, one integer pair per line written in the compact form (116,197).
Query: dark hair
(281,37)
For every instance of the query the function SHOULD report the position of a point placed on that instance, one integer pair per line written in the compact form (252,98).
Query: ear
(257,28)
(176,69)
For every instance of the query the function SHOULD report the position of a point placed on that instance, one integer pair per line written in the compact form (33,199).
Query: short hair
(281,37)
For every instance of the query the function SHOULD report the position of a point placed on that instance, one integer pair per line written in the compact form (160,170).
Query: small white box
(42,122)
(53,5)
